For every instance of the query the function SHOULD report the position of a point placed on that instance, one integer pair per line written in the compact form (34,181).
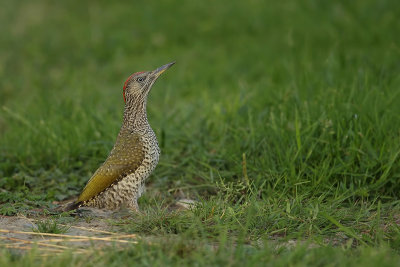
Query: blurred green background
(307,90)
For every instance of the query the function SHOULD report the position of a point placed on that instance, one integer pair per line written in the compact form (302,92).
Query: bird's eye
(140,79)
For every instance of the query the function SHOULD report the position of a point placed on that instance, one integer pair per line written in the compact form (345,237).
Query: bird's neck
(135,114)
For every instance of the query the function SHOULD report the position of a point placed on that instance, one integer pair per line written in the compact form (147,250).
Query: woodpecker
(120,180)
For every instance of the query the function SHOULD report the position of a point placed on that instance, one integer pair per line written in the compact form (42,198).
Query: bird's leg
(133,205)
(138,188)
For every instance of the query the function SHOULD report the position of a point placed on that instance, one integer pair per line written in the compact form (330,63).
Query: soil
(86,229)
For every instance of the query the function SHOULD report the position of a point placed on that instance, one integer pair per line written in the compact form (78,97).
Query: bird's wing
(126,156)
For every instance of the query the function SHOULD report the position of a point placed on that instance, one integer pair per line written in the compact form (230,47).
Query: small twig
(70,236)
(90,229)
(107,239)
(23,241)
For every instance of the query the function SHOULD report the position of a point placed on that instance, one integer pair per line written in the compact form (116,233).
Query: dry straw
(51,244)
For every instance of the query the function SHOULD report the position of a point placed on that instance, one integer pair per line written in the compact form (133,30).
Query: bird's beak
(161,69)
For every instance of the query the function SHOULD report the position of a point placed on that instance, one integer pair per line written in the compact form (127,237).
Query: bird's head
(138,85)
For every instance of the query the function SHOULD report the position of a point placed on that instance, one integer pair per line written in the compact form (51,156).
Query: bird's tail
(72,206)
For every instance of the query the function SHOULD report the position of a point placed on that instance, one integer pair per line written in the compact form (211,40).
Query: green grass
(50,226)
(280,118)
(174,252)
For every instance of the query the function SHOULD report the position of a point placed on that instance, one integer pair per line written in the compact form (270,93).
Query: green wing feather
(126,156)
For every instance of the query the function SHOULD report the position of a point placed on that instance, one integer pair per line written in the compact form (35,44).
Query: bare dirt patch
(19,233)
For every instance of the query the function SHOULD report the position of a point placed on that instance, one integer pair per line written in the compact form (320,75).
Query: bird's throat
(135,114)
